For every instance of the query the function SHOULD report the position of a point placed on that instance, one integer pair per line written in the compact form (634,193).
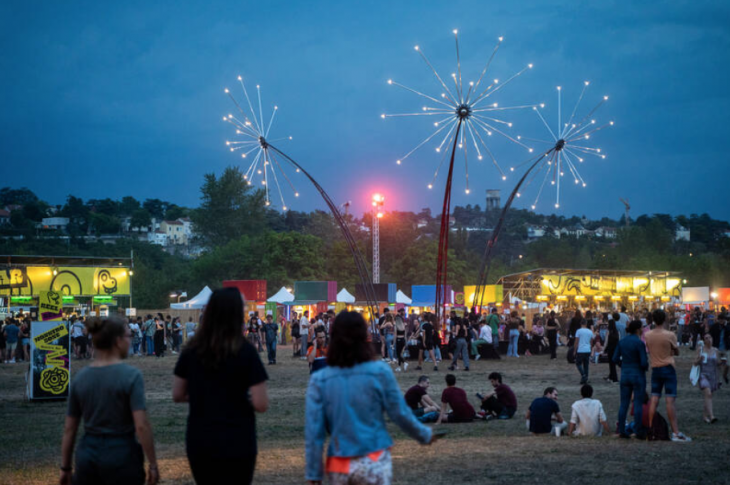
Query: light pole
(378,201)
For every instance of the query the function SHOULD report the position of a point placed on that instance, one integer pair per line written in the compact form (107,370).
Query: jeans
(514,336)
(621,327)
(135,347)
(150,344)
(582,361)
(632,381)
(109,459)
(303,350)
(271,350)
(475,345)
(461,349)
(389,345)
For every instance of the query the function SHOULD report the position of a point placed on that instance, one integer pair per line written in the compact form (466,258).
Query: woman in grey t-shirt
(109,396)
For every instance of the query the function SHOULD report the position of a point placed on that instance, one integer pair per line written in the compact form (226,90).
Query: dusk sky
(106,99)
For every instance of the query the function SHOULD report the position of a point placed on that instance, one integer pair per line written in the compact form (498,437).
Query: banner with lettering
(50,306)
(50,363)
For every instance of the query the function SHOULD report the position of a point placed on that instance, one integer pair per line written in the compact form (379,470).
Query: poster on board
(50,364)
(50,306)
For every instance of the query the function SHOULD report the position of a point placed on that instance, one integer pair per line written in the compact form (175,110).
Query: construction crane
(628,207)
(346,205)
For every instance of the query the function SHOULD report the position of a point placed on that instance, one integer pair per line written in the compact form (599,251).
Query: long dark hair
(349,341)
(612,327)
(221,332)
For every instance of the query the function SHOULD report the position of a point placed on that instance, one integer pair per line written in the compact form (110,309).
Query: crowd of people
(219,374)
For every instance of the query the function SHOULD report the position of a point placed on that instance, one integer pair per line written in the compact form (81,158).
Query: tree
(229,209)
(155,207)
(175,212)
(128,205)
(22,196)
(141,218)
(104,224)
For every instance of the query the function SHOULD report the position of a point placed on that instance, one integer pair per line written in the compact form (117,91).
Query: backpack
(571,355)
(659,429)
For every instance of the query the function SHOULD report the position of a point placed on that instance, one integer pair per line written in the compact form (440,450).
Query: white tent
(345,296)
(401,297)
(695,295)
(282,296)
(195,303)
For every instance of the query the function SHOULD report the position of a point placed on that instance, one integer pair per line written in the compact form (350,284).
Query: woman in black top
(611,344)
(160,343)
(221,375)
(574,327)
(552,334)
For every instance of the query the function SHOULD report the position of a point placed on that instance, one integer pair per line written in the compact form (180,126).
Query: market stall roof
(302,302)
(195,303)
(401,297)
(345,296)
(282,296)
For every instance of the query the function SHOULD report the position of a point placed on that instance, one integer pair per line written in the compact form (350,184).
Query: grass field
(482,452)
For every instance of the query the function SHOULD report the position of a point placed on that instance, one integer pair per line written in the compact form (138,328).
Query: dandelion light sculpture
(465,115)
(561,157)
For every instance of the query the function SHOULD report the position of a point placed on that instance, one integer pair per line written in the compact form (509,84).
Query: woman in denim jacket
(348,400)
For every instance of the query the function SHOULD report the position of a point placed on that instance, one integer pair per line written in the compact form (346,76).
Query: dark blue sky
(125,98)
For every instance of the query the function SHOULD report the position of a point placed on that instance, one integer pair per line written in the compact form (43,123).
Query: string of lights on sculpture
(470,104)
(253,144)
(568,147)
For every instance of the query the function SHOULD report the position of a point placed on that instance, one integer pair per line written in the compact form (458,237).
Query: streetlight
(378,201)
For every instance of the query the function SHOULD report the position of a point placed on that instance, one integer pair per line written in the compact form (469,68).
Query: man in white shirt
(623,321)
(583,342)
(680,327)
(304,332)
(587,417)
(485,337)
(77,331)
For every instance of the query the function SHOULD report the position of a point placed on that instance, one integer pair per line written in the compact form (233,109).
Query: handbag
(694,375)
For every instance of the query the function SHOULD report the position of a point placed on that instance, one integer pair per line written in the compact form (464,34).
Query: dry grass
(494,452)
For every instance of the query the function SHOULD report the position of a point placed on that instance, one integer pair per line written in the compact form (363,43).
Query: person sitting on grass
(485,338)
(500,403)
(540,414)
(587,417)
(418,399)
(454,397)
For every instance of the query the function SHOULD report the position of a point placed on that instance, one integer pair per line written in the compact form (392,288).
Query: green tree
(140,218)
(229,209)
(128,205)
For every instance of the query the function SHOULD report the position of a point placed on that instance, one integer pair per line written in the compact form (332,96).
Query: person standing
(630,355)
(710,360)
(109,396)
(304,334)
(271,331)
(662,347)
(427,342)
(134,329)
(612,339)
(459,329)
(401,337)
(623,321)
(514,333)
(359,445)
(552,328)
(220,375)
(159,337)
(386,329)
(149,332)
(190,328)
(493,322)
(296,337)
(584,344)
(11,333)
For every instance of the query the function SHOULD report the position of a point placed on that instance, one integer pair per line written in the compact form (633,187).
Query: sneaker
(12,361)
(680,437)
(477,357)
(405,366)
(489,417)
(452,368)
(466,369)
(435,368)
(419,368)
(397,369)
(481,415)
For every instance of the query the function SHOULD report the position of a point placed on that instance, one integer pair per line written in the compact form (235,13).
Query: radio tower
(378,201)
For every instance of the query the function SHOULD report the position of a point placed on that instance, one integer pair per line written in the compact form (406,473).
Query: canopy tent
(195,303)
(282,296)
(345,296)
(401,297)
(696,295)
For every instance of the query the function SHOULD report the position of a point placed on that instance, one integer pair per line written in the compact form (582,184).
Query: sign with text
(50,306)
(50,363)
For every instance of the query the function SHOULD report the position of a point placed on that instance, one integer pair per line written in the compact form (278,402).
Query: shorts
(11,346)
(26,342)
(664,378)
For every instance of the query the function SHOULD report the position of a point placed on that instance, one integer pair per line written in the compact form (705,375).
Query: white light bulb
(296,194)
(605,98)
(610,123)
(438,150)
(530,150)
(584,184)
(225,90)
(557,206)
(512,169)
(518,194)
(530,65)
(479,157)
(297,170)
(509,124)
(383,116)
(559,88)
(436,123)
(467,191)
(390,81)
(398,162)
(284,208)
(542,105)
(504,177)
(243,155)
(430,186)
(456,31)
(228,142)
(533,207)
(240,78)
(501,39)
(598,150)
(587,83)
(415,47)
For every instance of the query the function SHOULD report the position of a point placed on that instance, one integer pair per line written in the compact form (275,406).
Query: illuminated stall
(594,288)
(313,296)
(253,293)
(492,295)
(424,297)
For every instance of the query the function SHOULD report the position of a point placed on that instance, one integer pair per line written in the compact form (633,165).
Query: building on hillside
(4,217)
(187,228)
(606,232)
(535,232)
(681,233)
(54,223)
(175,232)
(158,237)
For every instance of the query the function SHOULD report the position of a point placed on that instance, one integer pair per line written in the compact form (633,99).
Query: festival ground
(482,452)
